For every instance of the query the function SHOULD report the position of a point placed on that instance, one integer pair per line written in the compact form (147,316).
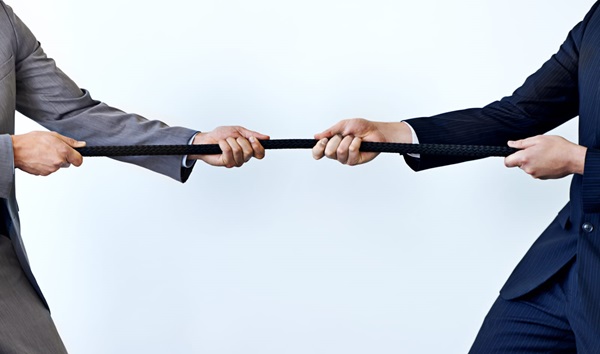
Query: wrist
(199,138)
(15,139)
(396,132)
(578,159)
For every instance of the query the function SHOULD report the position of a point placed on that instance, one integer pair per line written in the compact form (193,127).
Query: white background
(287,255)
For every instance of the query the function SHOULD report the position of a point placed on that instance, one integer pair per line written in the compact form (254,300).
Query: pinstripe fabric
(535,323)
(566,86)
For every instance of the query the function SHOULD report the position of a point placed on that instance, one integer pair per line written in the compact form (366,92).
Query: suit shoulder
(8,43)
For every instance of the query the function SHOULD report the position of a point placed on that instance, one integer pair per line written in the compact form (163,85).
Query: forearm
(547,99)
(100,124)
(48,96)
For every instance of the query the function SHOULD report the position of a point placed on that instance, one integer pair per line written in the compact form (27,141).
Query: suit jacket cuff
(7,166)
(591,182)
(423,128)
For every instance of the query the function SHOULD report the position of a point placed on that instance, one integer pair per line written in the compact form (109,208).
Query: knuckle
(236,149)
(225,148)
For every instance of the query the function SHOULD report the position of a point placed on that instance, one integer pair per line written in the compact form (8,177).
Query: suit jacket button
(587,227)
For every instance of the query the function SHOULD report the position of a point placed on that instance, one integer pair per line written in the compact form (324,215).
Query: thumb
(338,128)
(247,133)
(70,141)
(326,134)
(523,143)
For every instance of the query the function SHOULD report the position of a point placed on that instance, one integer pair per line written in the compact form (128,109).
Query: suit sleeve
(547,99)
(7,168)
(46,95)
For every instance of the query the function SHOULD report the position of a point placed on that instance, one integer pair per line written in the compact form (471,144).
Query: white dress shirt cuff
(415,140)
(185,162)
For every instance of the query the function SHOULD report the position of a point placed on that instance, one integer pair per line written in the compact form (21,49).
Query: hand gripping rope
(213,149)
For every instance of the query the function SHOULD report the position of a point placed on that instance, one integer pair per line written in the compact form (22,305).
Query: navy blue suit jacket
(566,86)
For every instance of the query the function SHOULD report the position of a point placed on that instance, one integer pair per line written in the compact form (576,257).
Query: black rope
(212,149)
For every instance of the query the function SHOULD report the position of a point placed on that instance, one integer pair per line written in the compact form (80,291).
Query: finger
(73,157)
(69,141)
(354,151)
(515,160)
(332,145)
(318,151)
(259,150)
(342,150)
(236,150)
(227,159)
(247,151)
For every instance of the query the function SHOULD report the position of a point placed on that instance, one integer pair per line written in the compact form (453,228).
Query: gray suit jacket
(31,83)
